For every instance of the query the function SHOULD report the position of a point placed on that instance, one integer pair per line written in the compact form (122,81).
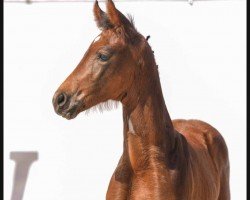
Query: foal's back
(208,177)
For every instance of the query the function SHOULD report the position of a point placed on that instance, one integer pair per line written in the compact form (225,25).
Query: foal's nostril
(61,99)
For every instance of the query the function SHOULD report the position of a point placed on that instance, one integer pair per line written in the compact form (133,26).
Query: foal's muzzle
(66,105)
(59,100)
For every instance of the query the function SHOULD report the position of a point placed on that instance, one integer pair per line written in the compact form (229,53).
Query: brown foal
(162,159)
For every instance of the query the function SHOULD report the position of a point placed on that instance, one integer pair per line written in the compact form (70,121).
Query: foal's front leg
(120,182)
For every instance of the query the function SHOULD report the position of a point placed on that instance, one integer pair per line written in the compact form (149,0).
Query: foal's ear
(101,17)
(115,16)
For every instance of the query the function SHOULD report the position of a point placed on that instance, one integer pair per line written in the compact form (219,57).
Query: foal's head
(107,69)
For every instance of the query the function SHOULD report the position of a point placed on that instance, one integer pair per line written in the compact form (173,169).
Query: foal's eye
(103,57)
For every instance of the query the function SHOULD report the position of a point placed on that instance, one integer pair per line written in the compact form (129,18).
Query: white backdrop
(201,52)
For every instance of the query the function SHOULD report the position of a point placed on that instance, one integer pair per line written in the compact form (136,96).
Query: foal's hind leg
(224,185)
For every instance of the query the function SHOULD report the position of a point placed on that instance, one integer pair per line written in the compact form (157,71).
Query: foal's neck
(150,120)
(148,129)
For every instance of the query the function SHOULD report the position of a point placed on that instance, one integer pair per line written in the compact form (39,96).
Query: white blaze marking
(130,126)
